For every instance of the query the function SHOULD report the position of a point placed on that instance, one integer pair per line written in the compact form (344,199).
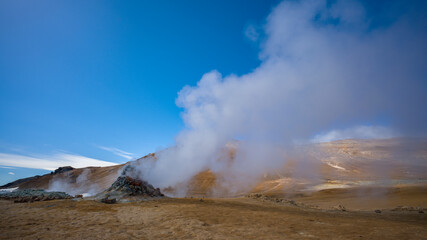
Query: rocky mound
(32,195)
(134,187)
(62,169)
(125,187)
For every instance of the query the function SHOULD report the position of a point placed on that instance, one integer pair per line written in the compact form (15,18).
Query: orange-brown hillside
(334,165)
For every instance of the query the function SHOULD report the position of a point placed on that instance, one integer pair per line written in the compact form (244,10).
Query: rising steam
(323,65)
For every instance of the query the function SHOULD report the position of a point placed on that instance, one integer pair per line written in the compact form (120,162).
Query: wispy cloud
(251,33)
(118,152)
(359,132)
(51,162)
(7,167)
(11,173)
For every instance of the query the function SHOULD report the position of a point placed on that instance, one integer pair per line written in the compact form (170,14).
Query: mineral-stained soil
(194,218)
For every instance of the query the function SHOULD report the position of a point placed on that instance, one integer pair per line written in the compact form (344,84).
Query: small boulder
(109,201)
(340,207)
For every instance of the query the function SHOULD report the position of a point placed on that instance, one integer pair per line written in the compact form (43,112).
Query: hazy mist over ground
(324,66)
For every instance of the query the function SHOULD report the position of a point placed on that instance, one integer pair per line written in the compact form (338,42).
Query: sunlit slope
(338,164)
(314,167)
(101,177)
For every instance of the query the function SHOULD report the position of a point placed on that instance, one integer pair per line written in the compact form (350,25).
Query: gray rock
(62,169)
(31,195)
(125,187)
(109,200)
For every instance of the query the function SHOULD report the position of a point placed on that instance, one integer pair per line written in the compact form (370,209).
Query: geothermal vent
(134,187)
(128,188)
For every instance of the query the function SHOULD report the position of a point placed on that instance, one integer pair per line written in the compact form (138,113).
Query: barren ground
(190,218)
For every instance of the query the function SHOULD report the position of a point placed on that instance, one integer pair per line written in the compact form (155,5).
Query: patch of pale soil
(334,165)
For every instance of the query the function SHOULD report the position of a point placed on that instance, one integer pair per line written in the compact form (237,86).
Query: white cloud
(51,162)
(359,132)
(11,173)
(7,167)
(118,152)
(252,33)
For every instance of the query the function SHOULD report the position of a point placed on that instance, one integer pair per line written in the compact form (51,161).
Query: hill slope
(339,165)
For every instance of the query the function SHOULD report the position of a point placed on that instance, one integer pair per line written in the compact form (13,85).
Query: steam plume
(323,65)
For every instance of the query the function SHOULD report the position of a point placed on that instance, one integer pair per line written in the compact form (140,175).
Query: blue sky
(95,82)
(76,75)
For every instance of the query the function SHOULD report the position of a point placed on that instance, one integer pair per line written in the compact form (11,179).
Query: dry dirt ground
(190,218)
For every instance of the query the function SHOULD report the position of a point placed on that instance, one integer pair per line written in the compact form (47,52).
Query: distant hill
(338,164)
